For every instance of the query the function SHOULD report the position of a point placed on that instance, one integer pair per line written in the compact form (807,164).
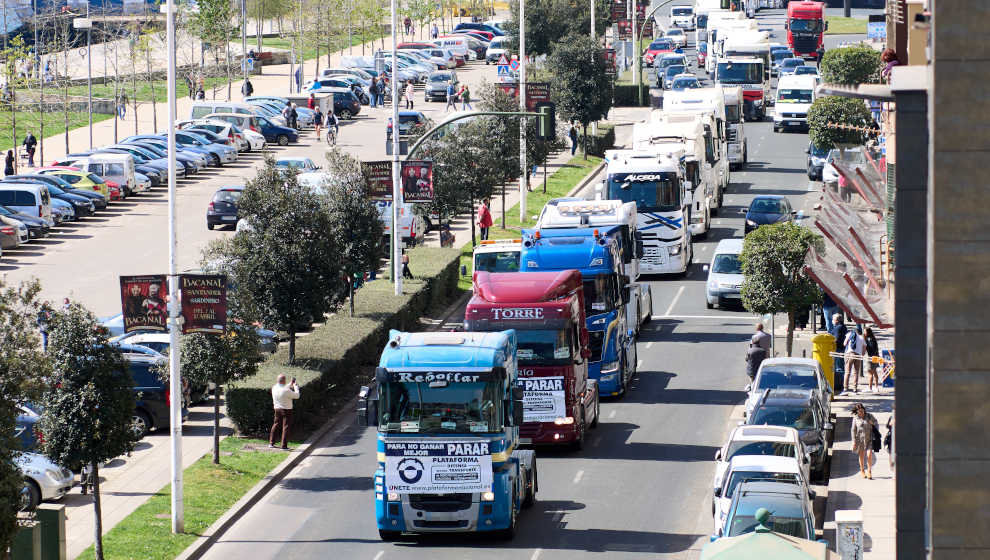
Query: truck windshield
(600,294)
(544,347)
(805,25)
(731,113)
(501,261)
(794,96)
(679,12)
(739,73)
(456,407)
(652,192)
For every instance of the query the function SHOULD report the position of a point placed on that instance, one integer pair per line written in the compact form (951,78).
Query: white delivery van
(30,198)
(725,275)
(496,50)
(457,45)
(795,94)
(115,167)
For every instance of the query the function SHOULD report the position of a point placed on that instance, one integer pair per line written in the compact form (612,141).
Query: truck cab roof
(586,213)
(525,287)
(587,249)
(433,351)
(642,161)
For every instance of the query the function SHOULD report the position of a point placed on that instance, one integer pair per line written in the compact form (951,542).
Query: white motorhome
(717,22)
(579,213)
(735,132)
(670,133)
(702,11)
(729,30)
(749,74)
(795,94)
(656,184)
(710,104)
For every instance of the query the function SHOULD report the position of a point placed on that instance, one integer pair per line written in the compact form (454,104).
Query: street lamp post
(396,166)
(523,191)
(637,76)
(87,24)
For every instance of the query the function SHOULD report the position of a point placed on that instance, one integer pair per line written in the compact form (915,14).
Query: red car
(657,48)
(702,54)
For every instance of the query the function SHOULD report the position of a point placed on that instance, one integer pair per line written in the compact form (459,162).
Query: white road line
(536,554)
(674,301)
(379,555)
(577,477)
(611,414)
(737,317)
(639,364)
(648,344)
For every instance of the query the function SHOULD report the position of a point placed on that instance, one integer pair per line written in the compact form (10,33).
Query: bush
(837,110)
(604,140)
(332,361)
(851,66)
(626,96)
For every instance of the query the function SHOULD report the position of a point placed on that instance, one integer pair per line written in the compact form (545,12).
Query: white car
(313,179)
(141,183)
(781,441)
(788,373)
(301,163)
(256,140)
(755,467)
(725,277)
(678,37)
(852,158)
(159,342)
(43,479)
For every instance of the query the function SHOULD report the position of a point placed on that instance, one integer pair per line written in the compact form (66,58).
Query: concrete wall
(959,281)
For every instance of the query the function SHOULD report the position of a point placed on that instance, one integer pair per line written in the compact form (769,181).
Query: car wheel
(30,495)
(709,305)
(209,226)
(283,140)
(346,114)
(140,424)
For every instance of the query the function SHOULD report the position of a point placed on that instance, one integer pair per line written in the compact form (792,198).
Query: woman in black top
(8,167)
(872,349)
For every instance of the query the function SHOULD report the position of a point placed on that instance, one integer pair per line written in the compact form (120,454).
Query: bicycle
(331,136)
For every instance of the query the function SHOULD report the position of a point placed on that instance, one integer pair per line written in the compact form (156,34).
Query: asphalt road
(641,486)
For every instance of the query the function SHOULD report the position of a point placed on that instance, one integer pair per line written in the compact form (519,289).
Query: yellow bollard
(821,345)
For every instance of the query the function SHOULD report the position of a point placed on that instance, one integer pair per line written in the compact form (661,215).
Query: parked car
(768,209)
(816,161)
(779,441)
(745,468)
(221,129)
(98,200)
(302,163)
(192,162)
(436,85)
(496,50)
(409,119)
(852,158)
(30,198)
(13,233)
(151,411)
(222,209)
(43,480)
(791,510)
(480,27)
(223,152)
(37,227)
(803,410)
(83,180)
(82,205)
(281,135)
(346,105)
(788,372)
(26,426)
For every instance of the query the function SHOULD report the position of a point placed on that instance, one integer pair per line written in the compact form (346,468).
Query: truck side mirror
(517,411)
(517,393)
(367,409)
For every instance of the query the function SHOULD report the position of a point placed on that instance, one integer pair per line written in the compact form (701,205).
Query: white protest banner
(543,399)
(418,466)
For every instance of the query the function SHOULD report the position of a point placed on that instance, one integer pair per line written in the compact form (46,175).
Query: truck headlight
(393,496)
(564,421)
(674,250)
(488,496)
(608,367)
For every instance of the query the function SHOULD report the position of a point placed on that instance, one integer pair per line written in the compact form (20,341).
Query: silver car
(43,480)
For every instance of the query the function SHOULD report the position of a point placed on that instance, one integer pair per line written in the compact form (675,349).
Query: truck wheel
(709,305)
(649,316)
(579,442)
(509,532)
(531,488)
(389,536)
(598,411)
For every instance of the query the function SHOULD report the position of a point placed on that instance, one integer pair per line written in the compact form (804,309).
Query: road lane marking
(736,317)
(577,477)
(639,364)
(674,301)
(379,555)
(611,414)
(536,554)
(648,344)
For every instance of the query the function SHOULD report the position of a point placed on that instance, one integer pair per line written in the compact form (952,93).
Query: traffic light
(547,120)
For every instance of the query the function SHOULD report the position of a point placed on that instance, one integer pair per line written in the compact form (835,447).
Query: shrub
(604,140)
(332,361)
(626,96)
(851,66)
(837,110)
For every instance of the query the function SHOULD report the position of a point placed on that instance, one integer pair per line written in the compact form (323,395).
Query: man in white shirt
(855,347)
(282,397)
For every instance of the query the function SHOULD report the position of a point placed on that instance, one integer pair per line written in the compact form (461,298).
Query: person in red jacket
(312,102)
(484,219)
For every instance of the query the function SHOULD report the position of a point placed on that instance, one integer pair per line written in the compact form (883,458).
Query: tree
(581,85)
(89,402)
(356,228)
(287,265)
(220,359)
(773,266)
(548,22)
(21,365)
(851,66)
(212,24)
(837,110)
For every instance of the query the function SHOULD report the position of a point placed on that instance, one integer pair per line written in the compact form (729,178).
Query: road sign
(503,70)
(876,30)
(502,61)
(514,65)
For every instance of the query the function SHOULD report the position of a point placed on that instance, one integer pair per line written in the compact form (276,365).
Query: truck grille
(794,115)
(441,524)
(805,44)
(440,502)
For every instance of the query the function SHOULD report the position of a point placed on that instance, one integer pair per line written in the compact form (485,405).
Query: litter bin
(821,345)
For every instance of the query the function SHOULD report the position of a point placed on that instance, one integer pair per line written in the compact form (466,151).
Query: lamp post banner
(417,181)
(378,179)
(536,92)
(204,303)
(143,301)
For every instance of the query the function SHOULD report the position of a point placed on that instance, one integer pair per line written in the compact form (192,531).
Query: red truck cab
(806,28)
(546,309)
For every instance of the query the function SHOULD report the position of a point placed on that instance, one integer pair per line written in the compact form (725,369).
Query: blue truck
(597,254)
(448,411)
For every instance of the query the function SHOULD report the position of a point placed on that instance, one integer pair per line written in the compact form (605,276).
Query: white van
(795,94)
(115,167)
(725,277)
(457,45)
(496,50)
(30,198)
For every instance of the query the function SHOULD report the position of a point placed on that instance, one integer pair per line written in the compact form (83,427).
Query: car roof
(151,336)
(788,360)
(770,196)
(768,487)
(729,246)
(764,463)
(764,433)
(231,188)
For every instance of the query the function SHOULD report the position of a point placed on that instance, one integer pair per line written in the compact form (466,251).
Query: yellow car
(83,180)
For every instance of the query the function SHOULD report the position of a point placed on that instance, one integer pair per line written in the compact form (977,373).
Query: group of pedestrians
(856,346)
(453,94)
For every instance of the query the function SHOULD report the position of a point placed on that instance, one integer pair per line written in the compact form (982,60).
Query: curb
(212,534)
(587,179)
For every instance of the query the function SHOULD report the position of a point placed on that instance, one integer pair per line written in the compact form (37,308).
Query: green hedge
(604,140)
(334,359)
(625,95)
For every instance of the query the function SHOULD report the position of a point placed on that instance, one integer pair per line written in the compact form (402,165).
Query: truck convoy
(546,309)
(735,132)
(596,253)
(709,105)
(806,27)
(448,410)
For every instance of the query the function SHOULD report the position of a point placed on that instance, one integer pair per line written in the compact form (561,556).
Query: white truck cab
(749,74)
(735,132)
(709,103)
(682,17)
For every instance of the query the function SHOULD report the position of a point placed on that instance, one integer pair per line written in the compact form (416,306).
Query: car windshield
(797,417)
(772,377)
(805,25)
(851,156)
(678,12)
(818,152)
(500,261)
(441,77)
(773,448)
(661,45)
(295,163)
(53,190)
(543,347)
(672,32)
(674,69)
(805,69)
(727,263)
(791,63)
(740,476)
(454,407)
(781,55)
(94,178)
(652,192)
(685,83)
(739,73)
(793,526)
(794,96)
(766,206)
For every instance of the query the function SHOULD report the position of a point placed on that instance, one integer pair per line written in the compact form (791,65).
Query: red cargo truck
(547,311)
(806,28)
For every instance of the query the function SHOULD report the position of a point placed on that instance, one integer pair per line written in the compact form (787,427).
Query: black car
(151,410)
(803,410)
(345,104)
(222,210)
(37,227)
(768,209)
(437,83)
(816,161)
(82,205)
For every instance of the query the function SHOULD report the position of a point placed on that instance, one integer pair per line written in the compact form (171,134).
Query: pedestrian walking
(44,319)
(247,89)
(829,308)
(465,96)
(30,144)
(8,166)
(406,273)
(573,135)
(484,219)
(317,120)
(755,355)
(838,332)
(282,397)
(200,94)
(762,338)
(407,23)
(435,32)
(451,97)
(298,76)
(311,102)
(373,91)
(864,430)
(873,351)
(410,91)
(191,86)
(854,347)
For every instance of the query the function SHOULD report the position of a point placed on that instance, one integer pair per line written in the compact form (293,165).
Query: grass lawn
(310,52)
(54,125)
(838,25)
(558,185)
(144,89)
(209,492)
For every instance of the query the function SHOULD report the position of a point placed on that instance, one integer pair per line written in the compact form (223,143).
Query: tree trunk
(216,422)
(790,332)
(292,344)
(97,512)
(151,84)
(351,280)
(474,241)
(585,149)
